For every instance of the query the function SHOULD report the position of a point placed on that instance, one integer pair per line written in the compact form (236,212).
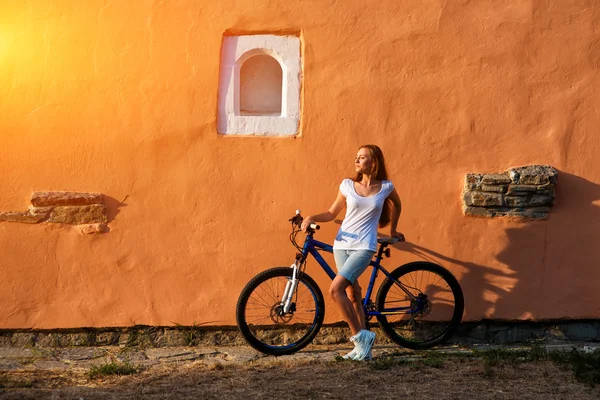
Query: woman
(369,198)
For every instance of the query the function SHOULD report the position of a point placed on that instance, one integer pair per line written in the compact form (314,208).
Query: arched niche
(261,85)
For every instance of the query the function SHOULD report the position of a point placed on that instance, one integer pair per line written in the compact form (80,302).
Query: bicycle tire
(428,327)
(285,334)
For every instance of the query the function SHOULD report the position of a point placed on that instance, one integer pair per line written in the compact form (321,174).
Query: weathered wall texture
(120,98)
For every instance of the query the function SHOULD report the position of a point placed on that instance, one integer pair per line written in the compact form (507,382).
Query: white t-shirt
(359,228)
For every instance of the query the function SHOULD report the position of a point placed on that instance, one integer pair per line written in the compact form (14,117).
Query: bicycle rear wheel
(429,314)
(260,316)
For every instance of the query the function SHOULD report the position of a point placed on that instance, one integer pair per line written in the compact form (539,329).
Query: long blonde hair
(379,173)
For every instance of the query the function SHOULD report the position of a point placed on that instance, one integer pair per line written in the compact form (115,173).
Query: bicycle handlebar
(297,219)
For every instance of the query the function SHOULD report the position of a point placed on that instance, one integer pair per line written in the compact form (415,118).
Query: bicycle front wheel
(421,307)
(262,320)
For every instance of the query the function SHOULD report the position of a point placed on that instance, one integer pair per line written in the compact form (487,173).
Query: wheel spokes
(264,313)
(426,316)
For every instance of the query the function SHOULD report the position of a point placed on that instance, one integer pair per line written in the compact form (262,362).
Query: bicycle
(281,310)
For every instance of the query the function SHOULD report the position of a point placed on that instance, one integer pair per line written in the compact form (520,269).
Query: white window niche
(259,85)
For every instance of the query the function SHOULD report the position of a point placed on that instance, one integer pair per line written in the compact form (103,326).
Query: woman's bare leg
(337,291)
(354,293)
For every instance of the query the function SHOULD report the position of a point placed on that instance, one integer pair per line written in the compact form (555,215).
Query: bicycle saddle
(388,240)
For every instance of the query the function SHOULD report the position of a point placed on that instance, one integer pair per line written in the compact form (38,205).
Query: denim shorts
(352,263)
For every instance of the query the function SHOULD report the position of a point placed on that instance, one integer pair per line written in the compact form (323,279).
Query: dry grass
(109,369)
(491,376)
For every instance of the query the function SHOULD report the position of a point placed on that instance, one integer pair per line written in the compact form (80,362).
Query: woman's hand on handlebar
(306,223)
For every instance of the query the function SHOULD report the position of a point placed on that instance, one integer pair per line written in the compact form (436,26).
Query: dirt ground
(281,379)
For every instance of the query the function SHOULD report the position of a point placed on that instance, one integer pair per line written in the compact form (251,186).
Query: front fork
(290,289)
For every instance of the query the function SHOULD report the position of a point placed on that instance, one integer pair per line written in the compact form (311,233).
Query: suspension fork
(292,284)
(290,289)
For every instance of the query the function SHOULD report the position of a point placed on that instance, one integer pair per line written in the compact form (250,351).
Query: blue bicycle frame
(312,247)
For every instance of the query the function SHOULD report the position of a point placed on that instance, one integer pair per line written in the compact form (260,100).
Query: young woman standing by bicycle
(371,201)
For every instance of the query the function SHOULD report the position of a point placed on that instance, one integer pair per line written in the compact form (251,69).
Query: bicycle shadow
(546,270)
(557,261)
(474,278)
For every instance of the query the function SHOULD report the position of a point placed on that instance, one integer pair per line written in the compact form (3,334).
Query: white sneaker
(363,341)
(369,356)
(352,354)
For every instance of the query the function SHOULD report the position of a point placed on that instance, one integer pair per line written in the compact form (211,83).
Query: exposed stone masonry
(525,192)
(486,331)
(71,208)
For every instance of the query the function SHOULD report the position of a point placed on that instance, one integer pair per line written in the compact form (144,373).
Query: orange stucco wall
(121,98)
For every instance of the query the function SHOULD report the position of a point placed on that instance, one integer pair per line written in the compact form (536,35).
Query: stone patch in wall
(523,192)
(87,210)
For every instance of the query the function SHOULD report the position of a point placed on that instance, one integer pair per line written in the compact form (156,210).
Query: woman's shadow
(558,260)
(475,279)
(549,267)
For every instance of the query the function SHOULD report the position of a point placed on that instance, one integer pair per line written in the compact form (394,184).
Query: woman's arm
(328,215)
(395,199)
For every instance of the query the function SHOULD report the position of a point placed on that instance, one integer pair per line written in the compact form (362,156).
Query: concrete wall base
(486,331)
